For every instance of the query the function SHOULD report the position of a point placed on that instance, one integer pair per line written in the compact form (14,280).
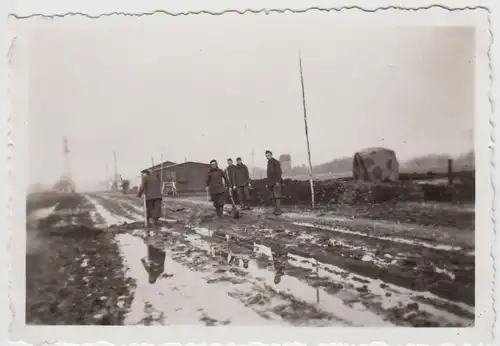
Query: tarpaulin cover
(375,164)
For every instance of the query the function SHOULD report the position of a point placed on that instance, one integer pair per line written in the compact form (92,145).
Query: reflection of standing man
(155,263)
(280,261)
(151,188)
(274,181)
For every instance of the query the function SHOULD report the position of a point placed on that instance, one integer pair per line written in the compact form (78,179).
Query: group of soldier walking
(235,179)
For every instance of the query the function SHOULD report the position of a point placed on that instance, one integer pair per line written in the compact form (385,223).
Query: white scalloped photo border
(407,12)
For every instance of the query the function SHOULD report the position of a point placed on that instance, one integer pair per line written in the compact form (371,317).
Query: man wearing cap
(217,182)
(230,173)
(242,182)
(151,188)
(274,181)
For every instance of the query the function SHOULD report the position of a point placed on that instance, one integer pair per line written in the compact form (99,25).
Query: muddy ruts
(72,213)
(75,279)
(417,274)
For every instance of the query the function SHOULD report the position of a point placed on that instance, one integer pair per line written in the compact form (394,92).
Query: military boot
(277,206)
(219,212)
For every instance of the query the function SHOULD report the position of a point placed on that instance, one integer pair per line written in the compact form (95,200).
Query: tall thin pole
(116,169)
(67,172)
(253,164)
(152,164)
(307,132)
(161,173)
(107,176)
(317,287)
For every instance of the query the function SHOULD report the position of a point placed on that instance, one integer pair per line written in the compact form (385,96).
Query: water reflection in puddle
(178,295)
(174,293)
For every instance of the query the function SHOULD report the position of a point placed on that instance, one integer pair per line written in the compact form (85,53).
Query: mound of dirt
(327,192)
(348,191)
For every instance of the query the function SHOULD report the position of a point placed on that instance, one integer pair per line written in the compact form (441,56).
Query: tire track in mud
(448,273)
(68,276)
(362,291)
(204,285)
(413,308)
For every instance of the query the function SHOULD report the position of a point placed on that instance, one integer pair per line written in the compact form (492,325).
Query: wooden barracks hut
(189,176)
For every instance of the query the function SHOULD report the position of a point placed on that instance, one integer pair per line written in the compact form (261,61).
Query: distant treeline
(436,163)
(439,162)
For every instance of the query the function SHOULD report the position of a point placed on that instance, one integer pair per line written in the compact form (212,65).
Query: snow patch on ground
(393,239)
(41,213)
(109,218)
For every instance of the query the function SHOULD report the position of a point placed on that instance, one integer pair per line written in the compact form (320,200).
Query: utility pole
(307,131)
(116,170)
(253,163)
(67,172)
(68,181)
(107,176)
(161,173)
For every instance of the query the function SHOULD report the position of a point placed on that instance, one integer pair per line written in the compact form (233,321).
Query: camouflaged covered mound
(375,165)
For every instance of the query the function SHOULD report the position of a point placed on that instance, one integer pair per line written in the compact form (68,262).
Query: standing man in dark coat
(242,182)
(151,188)
(230,170)
(274,181)
(217,182)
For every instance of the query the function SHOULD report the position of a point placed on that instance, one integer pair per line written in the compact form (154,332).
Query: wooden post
(107,178)
(116,170)
(161,174)
(311,183)
(317,286)
(450,172)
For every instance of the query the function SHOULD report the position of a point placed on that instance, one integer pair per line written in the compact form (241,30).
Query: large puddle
(175,286)
(181,296)
(377,289)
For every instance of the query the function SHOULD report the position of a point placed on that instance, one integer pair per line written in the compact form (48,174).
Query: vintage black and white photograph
(250,170)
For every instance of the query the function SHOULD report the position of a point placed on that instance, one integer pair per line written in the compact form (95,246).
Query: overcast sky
(203,87)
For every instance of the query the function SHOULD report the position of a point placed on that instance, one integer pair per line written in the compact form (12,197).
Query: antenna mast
(116,170)
(307,132)
(66,181)
(67,171)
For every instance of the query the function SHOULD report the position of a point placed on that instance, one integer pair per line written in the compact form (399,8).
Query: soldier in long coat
(151,188)
(217,184)
(274,181)
(242,183)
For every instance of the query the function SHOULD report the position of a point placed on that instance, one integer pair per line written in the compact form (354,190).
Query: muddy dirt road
(298,269)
